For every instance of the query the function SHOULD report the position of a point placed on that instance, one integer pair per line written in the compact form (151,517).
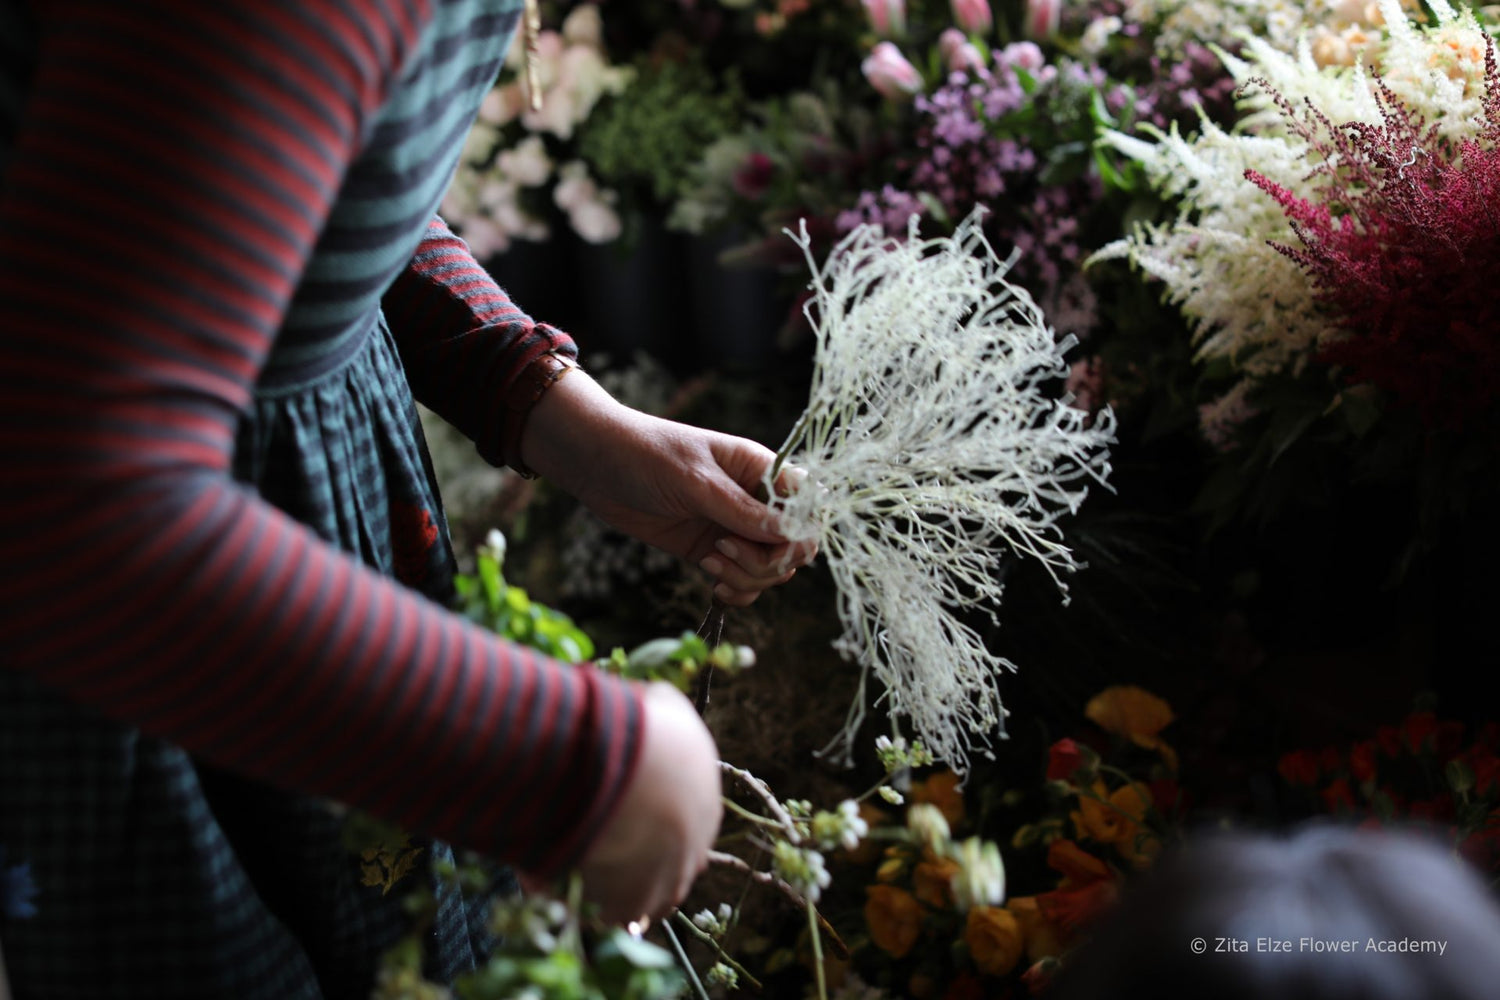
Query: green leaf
(516,599)
(618,946)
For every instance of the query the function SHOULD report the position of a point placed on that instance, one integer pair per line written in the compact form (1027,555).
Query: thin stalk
(817,947)
(761,789)
(682,959)
(840,949)
(713,943)
(746,814)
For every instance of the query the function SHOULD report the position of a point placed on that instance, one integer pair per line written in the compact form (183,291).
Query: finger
(767,565)
(733,576)
(789,480)
(731,502)
(725,594)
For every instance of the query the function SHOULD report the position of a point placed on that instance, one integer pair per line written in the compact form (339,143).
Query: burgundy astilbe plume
(1402,245)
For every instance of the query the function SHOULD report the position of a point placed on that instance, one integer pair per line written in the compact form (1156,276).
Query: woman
(219,270)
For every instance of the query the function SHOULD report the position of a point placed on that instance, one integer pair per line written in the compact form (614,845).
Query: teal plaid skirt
(160,877)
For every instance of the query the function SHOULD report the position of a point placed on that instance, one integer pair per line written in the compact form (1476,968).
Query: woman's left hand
(680,488)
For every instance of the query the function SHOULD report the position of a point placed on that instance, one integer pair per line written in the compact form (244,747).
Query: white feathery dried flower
(934,447)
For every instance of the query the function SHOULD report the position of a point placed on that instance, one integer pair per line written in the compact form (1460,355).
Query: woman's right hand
(656,843)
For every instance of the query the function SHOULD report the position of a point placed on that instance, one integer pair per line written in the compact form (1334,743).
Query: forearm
(464,343)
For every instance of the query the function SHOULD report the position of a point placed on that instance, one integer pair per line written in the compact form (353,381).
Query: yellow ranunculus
(932,881)
(941,790)
(1135,843)
(894,918)
(1097,816)
(1136,714)
(993,935)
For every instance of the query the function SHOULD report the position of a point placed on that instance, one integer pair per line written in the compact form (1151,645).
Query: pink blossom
(596,221)
(1043,17)
(974,16)
(887,17)
(959,55)
(753,177)
(1022,55)
(889,72)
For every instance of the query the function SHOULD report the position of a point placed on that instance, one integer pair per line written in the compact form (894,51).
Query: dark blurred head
(1324,884)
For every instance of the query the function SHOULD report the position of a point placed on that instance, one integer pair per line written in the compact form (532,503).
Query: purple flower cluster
(967,153)
(1179,91)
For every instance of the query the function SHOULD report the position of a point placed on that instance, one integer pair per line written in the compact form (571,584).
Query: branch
(840,949)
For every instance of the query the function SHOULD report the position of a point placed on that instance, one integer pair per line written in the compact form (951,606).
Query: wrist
(571,430)
(532,385)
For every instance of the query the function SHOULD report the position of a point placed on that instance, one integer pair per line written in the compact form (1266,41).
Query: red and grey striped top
(170,167)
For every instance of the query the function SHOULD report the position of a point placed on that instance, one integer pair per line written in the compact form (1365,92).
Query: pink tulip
(1022,55)
(889,72)
(958,53)
(974,16)
(887,17)
(1043,17)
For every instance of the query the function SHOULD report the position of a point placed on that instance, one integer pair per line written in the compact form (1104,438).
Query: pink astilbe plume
(1402,246)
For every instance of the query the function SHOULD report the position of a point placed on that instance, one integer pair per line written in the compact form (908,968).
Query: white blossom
(841,828)
(802,869)
(980,880)
(584,26)
(926,823)
(527,163)
(933,451)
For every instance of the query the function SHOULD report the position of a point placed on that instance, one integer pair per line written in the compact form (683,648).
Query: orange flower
(894,918)
(932,881)
(1071,909)
(1041,937)
(1111,817)
(1136,714)
(1075,865)
(941,790)
(993,935)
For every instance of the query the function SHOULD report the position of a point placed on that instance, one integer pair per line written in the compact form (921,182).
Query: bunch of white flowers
(934,449)
(801,868)
(843,827)
(1249,304)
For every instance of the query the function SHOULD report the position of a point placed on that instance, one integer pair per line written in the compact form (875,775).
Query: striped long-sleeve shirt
(170,169)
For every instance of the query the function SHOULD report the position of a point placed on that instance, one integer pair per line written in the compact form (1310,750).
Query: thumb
(735,499)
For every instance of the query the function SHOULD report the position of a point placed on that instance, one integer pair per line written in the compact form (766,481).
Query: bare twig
(840,949)
(761,789)
(723,955)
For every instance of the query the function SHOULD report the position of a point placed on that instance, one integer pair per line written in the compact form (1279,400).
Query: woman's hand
(683,489)
(645,859)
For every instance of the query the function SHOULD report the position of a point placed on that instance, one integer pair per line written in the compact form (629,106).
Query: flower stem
(713,943)
(682,959)
(817,947)
(746,814)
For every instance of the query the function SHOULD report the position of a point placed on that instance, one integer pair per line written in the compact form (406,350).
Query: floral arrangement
(516,154)
(1424,771)
(1303,248)
(1108,813)
(1253,307)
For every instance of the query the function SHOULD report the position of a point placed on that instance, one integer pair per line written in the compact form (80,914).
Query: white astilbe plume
(932,451)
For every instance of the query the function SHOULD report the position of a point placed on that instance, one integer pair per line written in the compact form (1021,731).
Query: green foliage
(487,599)
(647,138)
